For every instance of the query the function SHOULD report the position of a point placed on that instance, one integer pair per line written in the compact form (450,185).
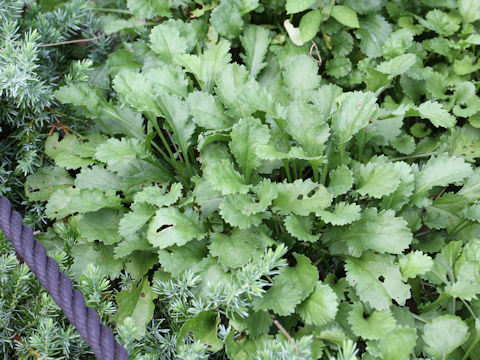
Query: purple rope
(71,301)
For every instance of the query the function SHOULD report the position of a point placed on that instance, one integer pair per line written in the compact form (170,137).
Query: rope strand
(71,301)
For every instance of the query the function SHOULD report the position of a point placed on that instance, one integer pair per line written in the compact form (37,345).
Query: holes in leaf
(450,278)
(381,278)
(164,227)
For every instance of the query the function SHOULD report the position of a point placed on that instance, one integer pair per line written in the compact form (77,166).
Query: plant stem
(294,165)
(153,120)
(171,158)
(460,226)
(341,149)
(324,173)
(111,111)
(325,164)
(419,318)
(187,162)
(422,233)
(361,144)
(287,170)
(171,125)
(192,156)
(159,149)
(469,308)
(317,262)
(474,343)
(165,143)
(105,127)
(315,173)
(414,156)
(295,172)
(172,141)
(118,11)
(432,305)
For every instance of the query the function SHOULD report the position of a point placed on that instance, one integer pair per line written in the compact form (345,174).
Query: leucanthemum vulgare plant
(280,180)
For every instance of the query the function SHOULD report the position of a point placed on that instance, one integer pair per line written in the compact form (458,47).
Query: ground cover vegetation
(274,180)
(33,63)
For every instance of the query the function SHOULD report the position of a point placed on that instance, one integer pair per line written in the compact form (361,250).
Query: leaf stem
(361,144)
(460,226)
(165,143)
(105,126)
(112,111)
(171,160)
(171,125)
(432,305)
(172,141)
(106,10)
(469,308)
(294,164)
(474,343)
(295,172)
(414,156)
(341,149)
(287,170)
(159,149)
(153,120)
(192,156)
(315,173)
(419,318)
(324,173)
(423,233)
(187,162)
(325,164)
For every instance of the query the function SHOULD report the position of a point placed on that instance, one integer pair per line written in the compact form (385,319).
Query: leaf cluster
(272,201)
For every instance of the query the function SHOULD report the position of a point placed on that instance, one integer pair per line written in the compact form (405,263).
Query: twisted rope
(71,301)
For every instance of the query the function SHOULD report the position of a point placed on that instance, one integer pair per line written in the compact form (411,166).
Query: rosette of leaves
(264,209)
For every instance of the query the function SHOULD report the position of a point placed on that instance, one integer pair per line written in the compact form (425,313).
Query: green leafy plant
(274,200)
